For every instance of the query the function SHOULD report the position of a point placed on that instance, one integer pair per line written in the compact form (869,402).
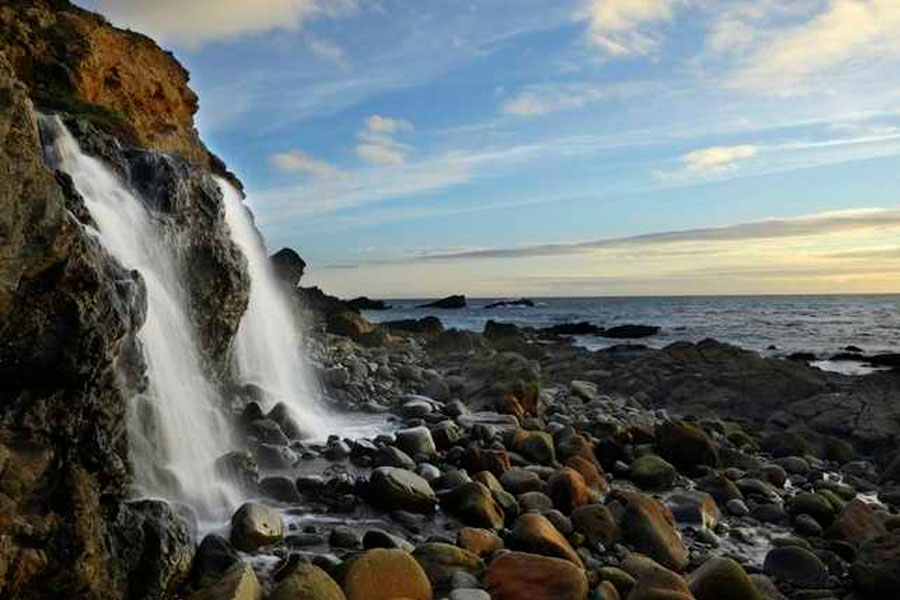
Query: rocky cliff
(69,312)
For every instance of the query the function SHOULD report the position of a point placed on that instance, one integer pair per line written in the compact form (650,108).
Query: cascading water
(268,349)
(174,444)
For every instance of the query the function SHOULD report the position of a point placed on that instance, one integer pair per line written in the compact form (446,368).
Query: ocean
(771,325)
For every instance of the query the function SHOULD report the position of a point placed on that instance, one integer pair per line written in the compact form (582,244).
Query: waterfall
(268,349)
(176,429)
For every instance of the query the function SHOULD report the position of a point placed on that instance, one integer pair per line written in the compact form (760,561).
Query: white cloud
(850,35)
(627,27)
(327,51)
(378,144)
(548,98)
(297,161)
(193,22)
(717,158)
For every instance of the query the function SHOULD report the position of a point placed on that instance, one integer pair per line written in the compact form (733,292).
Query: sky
(503,148)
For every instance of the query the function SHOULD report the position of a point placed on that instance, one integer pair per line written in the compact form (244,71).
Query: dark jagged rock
(503,303)
(288,266)
(366,303)
(450,302)
(581,328)
(423,326)
(630,332)
(494,330)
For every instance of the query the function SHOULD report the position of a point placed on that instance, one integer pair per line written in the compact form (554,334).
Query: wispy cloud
(327,51)
(627,27)
(717,158)
(538,100)
(192,22)
(842,36)
(378,142)
(812,225)
(297,161)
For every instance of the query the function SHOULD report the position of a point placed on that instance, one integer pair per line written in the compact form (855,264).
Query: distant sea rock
(366,303)
(580,328)
(630,332)
(450,302)
(424,326)
(519,302)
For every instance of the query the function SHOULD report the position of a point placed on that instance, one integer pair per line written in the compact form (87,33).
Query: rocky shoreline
(513,467)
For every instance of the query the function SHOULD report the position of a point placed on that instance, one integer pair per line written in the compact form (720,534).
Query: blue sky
(547,147)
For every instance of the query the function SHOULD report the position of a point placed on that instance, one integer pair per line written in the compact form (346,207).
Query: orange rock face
(75,61)
(568,490)
(482,542)
(535,533)
(519,575)
(384,574)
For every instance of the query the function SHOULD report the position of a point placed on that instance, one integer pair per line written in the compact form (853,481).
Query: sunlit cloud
(627,27)
(297,161)
(378,143)
(717,158)
(192,22)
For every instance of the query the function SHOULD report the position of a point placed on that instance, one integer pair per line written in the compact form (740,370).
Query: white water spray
(173,451)
(268,348)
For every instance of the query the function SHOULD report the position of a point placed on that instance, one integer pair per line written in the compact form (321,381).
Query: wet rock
(307,582)
(519,481)
(475,505)
(344,537)
(238,582)
(719,578)
(481,542)
(769,513)
(267,431)
(806,525)
(518,575)
(720,488)
(814,505)
(796,565)
(395,489)
(416,407)
(737,507)
(694,508)
(239,468)
(281,489)
(391,456)
(383,574)
(534,533)
(686,446)
(876,569)
(607,591)
(649,528)
(652,472)
(621,580)
(274,457)
(534,445)
(568,490)
(534,502)
(416,440)
(214,557)
(282,414)
(441,561)
(379,538)
(856,524)
(653,580)
(446,434)
(596,523)
(469,594)
(255,525)
(167,549)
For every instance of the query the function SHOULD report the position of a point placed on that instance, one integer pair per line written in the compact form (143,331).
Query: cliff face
(69,312)
(73,60)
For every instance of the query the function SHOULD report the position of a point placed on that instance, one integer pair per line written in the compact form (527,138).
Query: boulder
(568,490)
(399,489)
(796,565)
(307,582)
(423,326)
(653,581)
(519,575)
(238,582)
(719,578)
(535,533)
(686,446)
(652,472)
(475,505)
(534,445)
(481,542)
(856,524)
(441,561)
(649,528)
(385,574)
(416,440)
(596,524)
(366,303)
(814,505)
(876,569)
(694,508)
(255,525)
(519,481)
(288,266)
